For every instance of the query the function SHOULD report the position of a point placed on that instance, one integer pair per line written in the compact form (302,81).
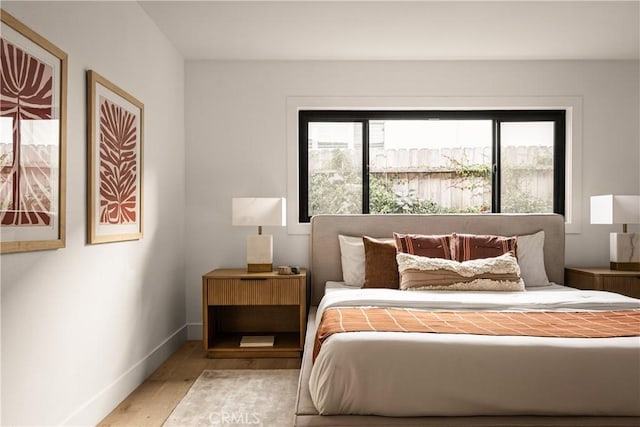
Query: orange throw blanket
(586,324)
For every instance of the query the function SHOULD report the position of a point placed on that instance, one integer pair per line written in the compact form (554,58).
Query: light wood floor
(154,400)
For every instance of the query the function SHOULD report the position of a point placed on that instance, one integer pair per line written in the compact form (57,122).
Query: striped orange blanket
(584,324)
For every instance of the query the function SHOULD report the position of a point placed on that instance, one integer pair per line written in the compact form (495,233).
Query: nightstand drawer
(241,291)
(629,286)
(604,279)
(286,291)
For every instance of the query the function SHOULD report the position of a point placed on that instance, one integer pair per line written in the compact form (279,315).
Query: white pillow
(352,258)
(531,260)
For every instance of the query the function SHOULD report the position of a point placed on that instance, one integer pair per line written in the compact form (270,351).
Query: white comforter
(414,374)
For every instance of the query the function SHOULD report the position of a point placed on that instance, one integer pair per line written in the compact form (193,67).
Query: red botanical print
(118,168)
(26,93)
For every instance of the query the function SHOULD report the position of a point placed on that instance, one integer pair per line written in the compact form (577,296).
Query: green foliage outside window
(336,187)
(383,200)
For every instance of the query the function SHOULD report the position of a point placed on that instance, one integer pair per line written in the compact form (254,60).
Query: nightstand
(604,279)
(236,304)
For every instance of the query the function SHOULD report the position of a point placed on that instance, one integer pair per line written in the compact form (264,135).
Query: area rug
(239,397)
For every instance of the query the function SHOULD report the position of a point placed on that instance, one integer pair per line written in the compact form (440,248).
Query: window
(431,161)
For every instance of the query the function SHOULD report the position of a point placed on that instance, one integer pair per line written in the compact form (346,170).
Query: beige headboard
(325,249)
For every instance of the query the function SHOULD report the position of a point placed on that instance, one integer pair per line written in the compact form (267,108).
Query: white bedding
(413,374)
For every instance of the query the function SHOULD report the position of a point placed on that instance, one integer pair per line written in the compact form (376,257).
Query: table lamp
(624,249)
(259,211)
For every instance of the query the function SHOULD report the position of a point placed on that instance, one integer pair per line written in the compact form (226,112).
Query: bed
(371,378)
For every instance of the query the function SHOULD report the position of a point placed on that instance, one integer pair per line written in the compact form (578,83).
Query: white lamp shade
(259,211)
(612,209)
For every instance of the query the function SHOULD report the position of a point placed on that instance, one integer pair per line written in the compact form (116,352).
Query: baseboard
(99,406)
(194,331)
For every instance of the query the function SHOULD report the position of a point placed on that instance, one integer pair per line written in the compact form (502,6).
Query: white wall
(82,326)
(236,133)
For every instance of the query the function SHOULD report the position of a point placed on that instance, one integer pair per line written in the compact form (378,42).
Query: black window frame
(496,116)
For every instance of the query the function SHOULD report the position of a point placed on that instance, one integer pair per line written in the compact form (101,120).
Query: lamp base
(259,268)
(259,253)
(624,251)
(625,266)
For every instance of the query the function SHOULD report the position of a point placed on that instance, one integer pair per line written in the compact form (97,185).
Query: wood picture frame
(115,162)
(33,107)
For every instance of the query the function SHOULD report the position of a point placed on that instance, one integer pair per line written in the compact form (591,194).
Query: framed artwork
(33,95)
(114,162)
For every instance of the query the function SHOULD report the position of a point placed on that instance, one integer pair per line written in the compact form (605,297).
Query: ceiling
(400,30)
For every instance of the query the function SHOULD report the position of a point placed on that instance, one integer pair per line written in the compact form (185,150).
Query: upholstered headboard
(325,249)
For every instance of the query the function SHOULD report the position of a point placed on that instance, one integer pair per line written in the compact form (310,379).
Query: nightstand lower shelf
(228,346)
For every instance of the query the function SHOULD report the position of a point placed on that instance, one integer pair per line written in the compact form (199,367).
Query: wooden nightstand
(236,303)
(604,279)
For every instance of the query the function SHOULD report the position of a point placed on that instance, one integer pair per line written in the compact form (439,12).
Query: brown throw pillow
(432,246)
(380,265)
(476,246)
